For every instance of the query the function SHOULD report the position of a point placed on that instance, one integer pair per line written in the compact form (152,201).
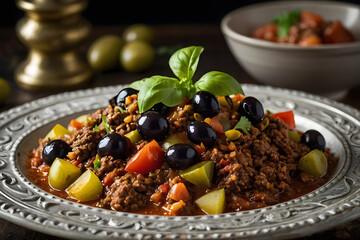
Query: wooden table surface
(216,56)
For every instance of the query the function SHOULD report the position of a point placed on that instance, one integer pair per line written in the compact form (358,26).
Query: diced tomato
(238,97)
(75,124)
(216,125)
(267,32)
(164,188)
(336,33)
(224,162)
(178,192)
(311,18)
(149,158)
(288,117)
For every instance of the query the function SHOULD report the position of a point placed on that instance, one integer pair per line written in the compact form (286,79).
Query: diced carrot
(176,207)
(207,120)
(109,178)
(336,33)
(178,192)
(75,124)
(76,162)
(216,125)
(71,155)
(311,40)
(200,148)
(311,18)
(156,197)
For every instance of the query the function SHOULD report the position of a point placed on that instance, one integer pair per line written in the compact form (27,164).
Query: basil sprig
(171,91)
(285,20)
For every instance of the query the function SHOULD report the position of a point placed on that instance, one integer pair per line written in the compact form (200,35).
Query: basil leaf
(137,84)
(218,83)
(183,62)
(285,20)
(160,89)
(97,162)
(244,124)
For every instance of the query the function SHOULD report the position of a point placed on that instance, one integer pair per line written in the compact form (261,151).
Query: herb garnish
(171,91)
(243,124)
(96,127)
(120,109)
(107,128)
(285,20)
(97,162)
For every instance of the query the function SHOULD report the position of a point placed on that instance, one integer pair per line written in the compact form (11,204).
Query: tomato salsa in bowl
(171,146)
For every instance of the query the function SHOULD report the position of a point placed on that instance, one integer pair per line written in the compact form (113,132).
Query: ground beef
(133,191)
(255,170)
(262,160)
(84,143)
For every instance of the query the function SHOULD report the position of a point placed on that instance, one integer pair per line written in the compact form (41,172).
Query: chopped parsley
(96,127)
(285,20)
(244,124)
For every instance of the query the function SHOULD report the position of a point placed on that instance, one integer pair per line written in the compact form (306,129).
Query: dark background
(117,12)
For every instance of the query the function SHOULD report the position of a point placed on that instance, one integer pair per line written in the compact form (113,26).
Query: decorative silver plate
(23,203)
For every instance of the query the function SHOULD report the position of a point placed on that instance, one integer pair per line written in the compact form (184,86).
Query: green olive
(103,54)
(4,90)
(138,32)
(137,56)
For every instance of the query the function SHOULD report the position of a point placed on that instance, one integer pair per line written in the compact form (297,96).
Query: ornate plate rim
(23,203)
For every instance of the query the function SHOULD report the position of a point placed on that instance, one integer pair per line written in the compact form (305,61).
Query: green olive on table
(137,56)
(4,90)
(103,54)
(138,32)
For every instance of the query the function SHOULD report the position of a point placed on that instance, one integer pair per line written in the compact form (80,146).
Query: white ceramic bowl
(330,70)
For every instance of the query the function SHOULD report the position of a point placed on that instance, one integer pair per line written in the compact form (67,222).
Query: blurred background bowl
(329,70)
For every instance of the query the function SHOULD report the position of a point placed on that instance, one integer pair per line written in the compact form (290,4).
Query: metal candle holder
(53,31)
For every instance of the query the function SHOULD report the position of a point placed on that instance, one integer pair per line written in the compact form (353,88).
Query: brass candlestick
(53,30)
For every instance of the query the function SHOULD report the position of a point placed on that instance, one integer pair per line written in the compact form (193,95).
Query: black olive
(121,96)
(112,144)
(201,132)
(181,156)
(160,108)
(206,104)
(55,149)
(252,108)
(314,140)
(152,125)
